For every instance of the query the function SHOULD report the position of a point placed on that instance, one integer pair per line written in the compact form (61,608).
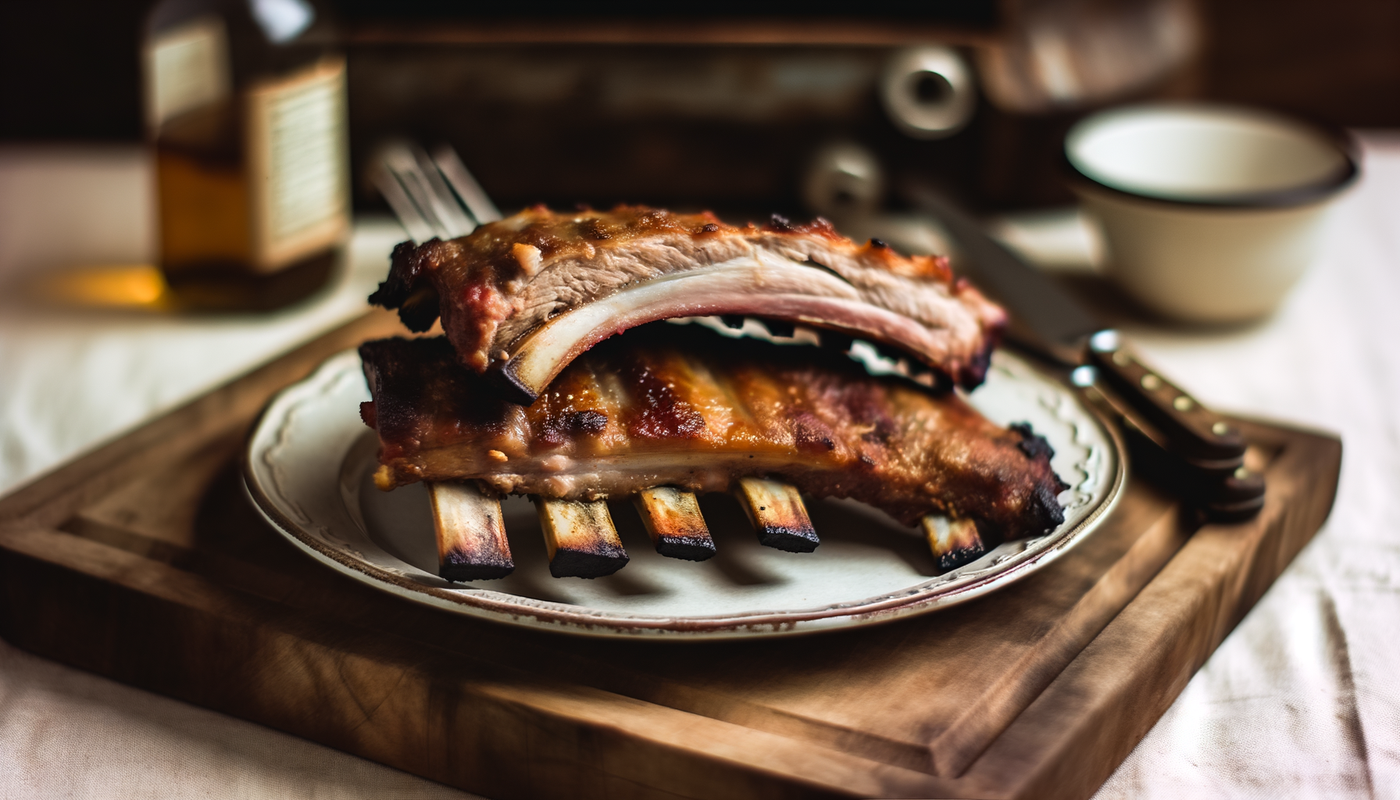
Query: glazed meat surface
(522,297)
(679,405)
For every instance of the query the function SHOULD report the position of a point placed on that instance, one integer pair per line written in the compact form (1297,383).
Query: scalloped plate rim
(923,597)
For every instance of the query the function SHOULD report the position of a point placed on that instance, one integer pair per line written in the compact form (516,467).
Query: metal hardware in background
(1203,452)
(928,92)
(842,180)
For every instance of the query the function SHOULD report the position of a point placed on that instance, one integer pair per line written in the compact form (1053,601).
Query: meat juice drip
(245,113)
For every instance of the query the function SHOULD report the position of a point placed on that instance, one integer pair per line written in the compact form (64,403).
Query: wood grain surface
(144,561)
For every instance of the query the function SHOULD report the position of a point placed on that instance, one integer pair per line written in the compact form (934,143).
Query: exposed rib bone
(580,538)
(672,519)
(954,542)
(768,287)
(471,538)
(776,510)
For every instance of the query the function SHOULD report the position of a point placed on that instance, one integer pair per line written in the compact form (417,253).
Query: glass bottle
(245,109)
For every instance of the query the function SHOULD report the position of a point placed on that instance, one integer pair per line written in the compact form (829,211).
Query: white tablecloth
(1302,700)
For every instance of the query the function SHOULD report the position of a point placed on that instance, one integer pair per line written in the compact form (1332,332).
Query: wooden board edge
(572,733)
(959,746)
(1222,572)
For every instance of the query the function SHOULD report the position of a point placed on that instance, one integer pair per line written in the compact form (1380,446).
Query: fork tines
(432,196)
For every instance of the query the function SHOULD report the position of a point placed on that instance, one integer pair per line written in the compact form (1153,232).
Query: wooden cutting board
(144,561)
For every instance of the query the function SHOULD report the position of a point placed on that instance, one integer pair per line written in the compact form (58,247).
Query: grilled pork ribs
(557,379)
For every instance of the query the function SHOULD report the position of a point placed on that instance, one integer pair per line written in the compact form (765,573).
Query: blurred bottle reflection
(245,107)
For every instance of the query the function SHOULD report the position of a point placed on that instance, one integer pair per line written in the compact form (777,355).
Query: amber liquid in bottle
(248,135)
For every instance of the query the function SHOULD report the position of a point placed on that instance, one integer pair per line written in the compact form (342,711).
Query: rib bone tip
(954,542)
(459,567)
(777,512)
(674,523)
(471,535)
(511,386)
(580,538)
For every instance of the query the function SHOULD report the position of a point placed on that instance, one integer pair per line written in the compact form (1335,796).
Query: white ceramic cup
(1210,213)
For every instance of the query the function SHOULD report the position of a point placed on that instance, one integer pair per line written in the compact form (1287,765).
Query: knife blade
(1047,320)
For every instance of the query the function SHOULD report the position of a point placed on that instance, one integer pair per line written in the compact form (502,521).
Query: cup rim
(1292,196)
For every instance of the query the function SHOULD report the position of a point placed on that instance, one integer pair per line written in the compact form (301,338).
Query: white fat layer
(748,285)
(595,478)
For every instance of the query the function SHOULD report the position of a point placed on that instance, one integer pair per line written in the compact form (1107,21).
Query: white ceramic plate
(310,458)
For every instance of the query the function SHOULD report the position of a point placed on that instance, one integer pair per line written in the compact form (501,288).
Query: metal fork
(433,196)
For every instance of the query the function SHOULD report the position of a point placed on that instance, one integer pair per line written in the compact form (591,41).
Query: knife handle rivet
(1105,341)
(1220,429)
(1122,359)
(1151,382)
(1183,403)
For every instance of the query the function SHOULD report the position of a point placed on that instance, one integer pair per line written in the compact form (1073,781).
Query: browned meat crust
(497,288)
(682,406)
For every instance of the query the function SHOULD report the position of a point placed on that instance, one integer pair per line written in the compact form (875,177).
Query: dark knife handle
(1224,490)
(1190,429)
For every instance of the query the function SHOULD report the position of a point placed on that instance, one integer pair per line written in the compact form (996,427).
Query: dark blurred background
(727,109)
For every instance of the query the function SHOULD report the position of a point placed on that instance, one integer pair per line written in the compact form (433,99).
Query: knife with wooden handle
(1205,452)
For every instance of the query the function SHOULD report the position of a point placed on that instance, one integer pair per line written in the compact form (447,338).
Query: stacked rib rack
(520,396)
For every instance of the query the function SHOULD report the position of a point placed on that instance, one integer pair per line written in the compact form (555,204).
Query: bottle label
(297,165)
(186,67)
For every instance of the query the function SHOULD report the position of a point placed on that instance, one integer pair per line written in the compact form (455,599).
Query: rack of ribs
(668,411)
(522,297)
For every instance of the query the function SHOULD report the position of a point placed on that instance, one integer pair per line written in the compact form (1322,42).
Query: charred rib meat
(522,297)
(673,405)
